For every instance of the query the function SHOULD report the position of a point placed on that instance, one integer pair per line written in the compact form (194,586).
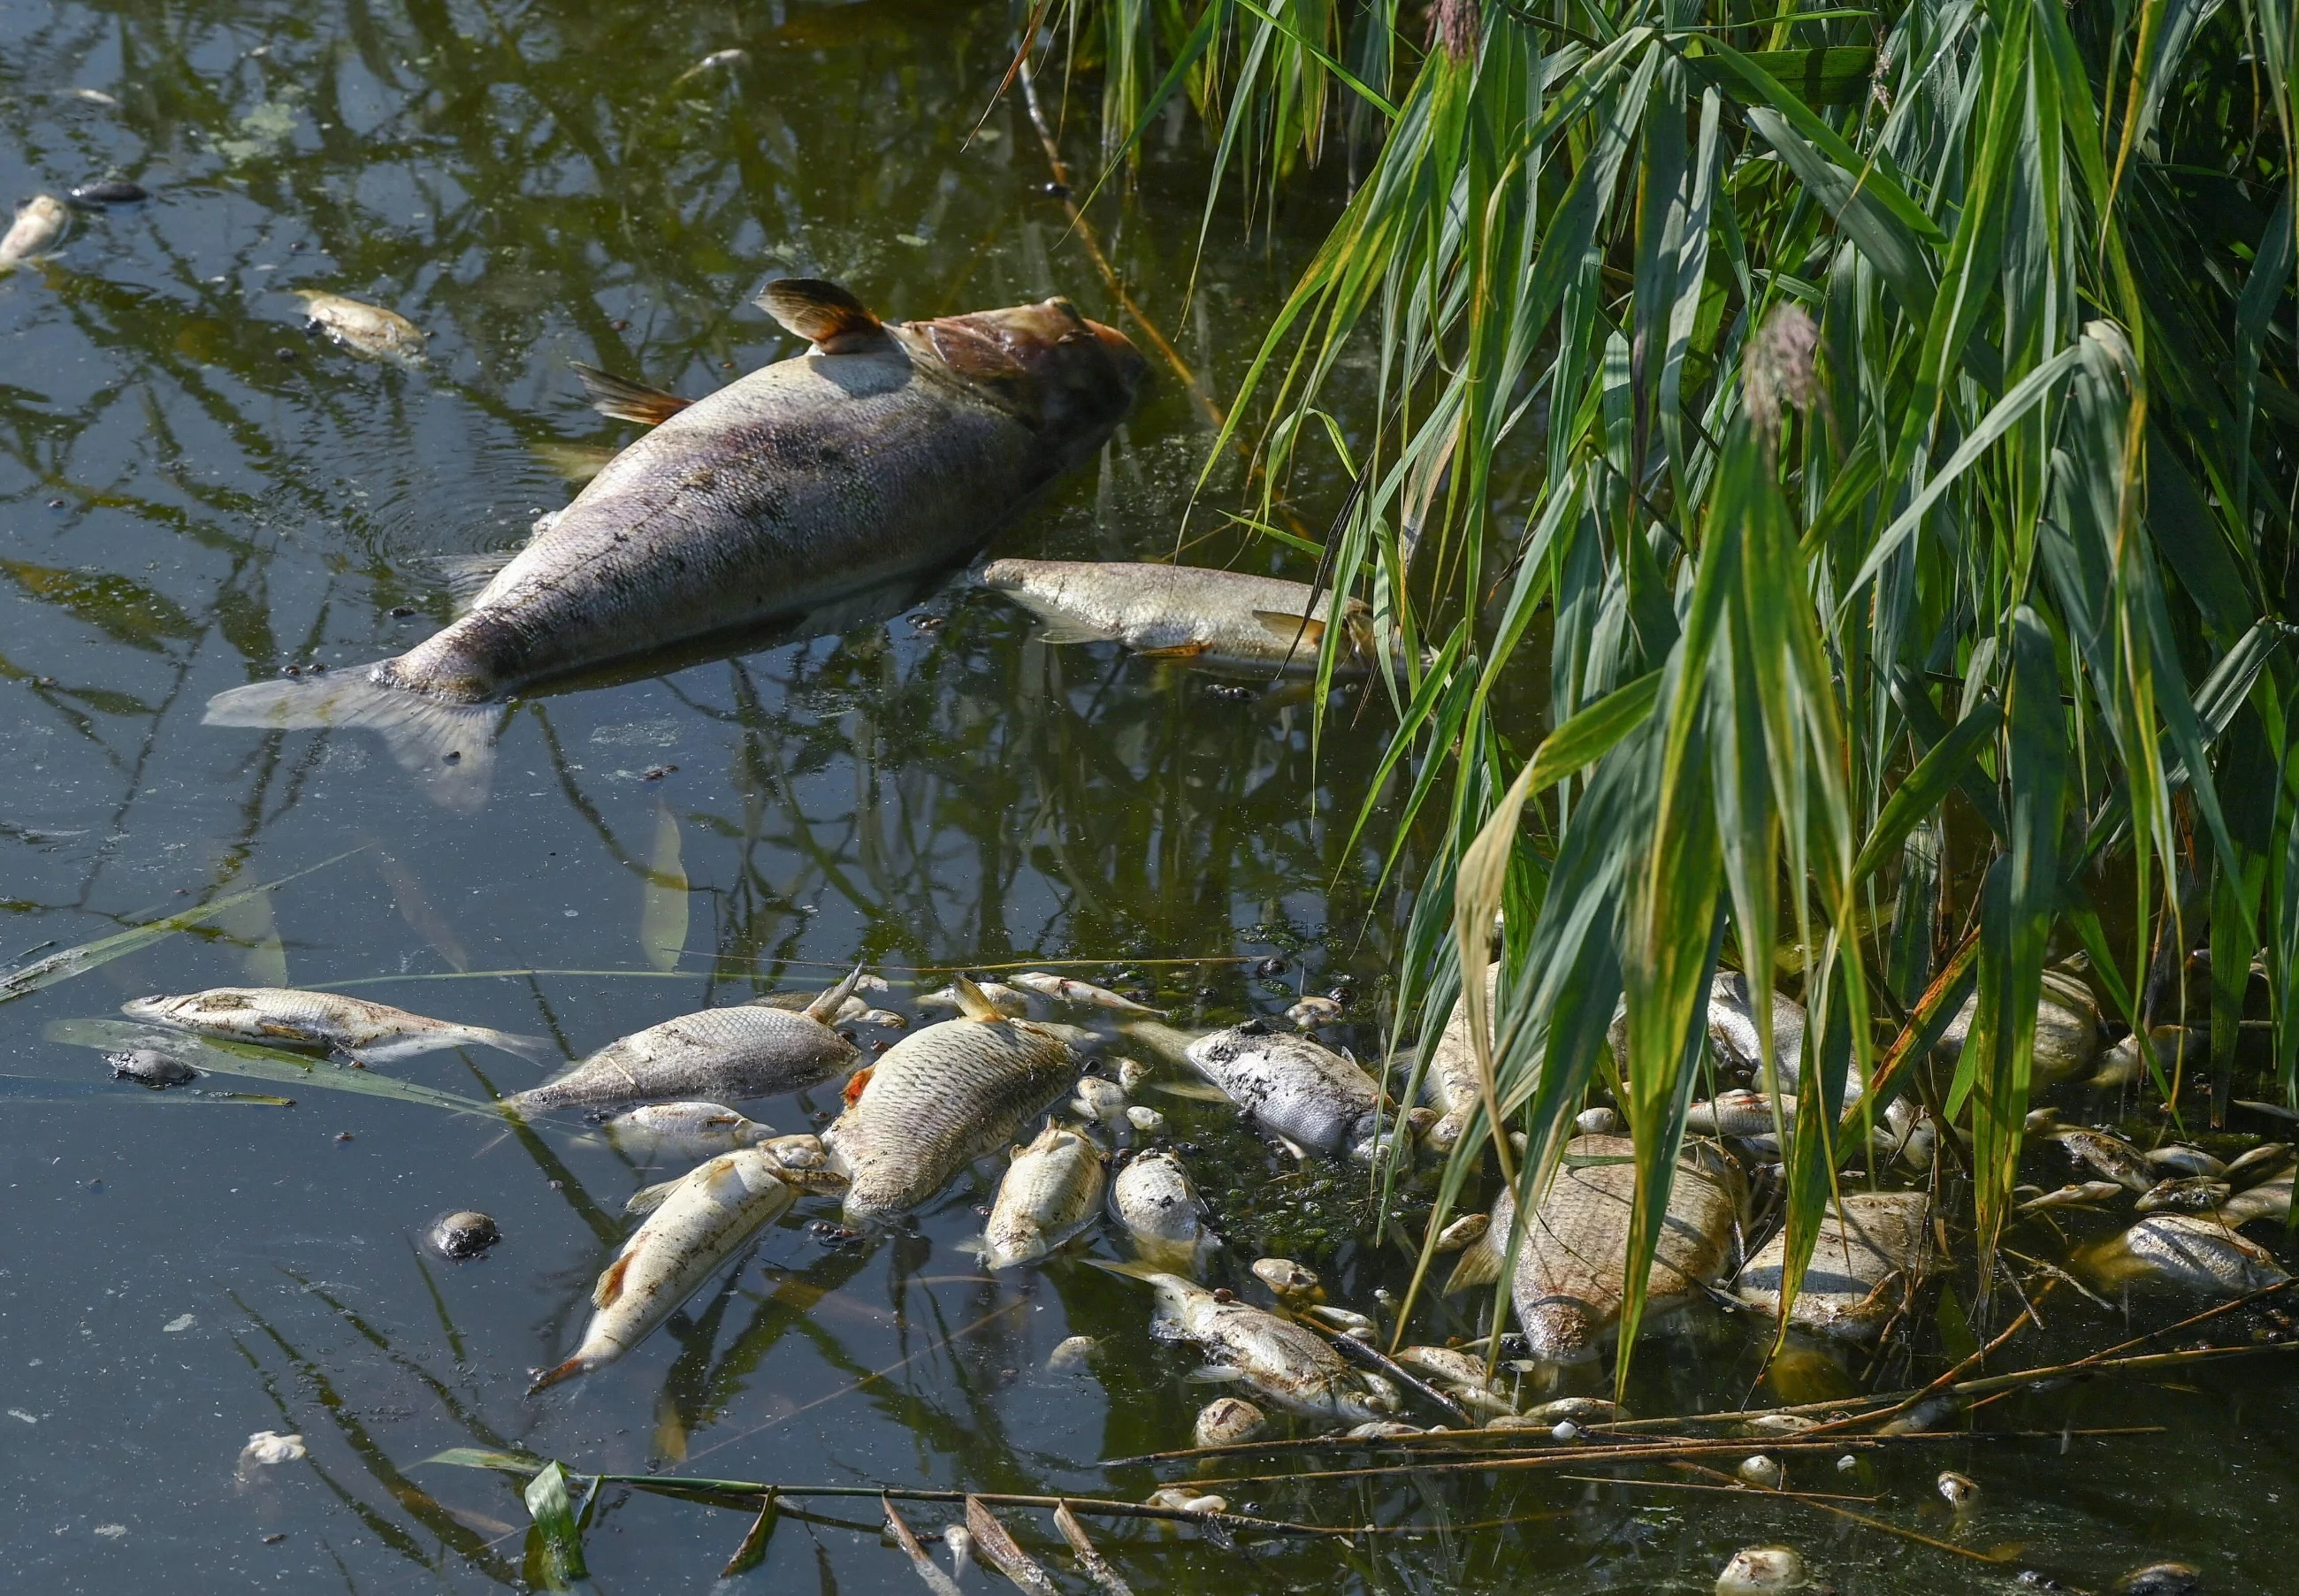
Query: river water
(197,495)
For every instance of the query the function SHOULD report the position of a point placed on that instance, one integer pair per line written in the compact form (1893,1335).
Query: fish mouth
(1133,369)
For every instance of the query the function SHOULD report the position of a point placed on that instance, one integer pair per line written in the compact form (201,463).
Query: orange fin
(627,400)
(1309,629)
(854,1085)
(550,1377)
(1180,650)
(822,313)
(611,1284)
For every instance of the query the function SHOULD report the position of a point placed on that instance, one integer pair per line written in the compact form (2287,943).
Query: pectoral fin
(611,1284)
(627,400)
(647,1199)
(823,314)
(1214,1374)
(1308,630)
(824,1008)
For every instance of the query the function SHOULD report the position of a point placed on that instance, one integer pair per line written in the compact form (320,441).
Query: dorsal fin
(974,1002)
(824,1008)
(627,400)
(822,313)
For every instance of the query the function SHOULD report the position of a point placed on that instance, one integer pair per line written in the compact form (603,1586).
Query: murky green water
(196,495)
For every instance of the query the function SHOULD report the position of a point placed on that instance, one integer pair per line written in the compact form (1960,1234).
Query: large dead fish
(1183,612)
(718,1055)
(2068,1035)
(1160,1210)
(939,1099)
(696,1228)
(1876,1240)
(887,449)
(363,1031)
(2185,1254)
(1572,1265)
(1294,1087)
(1051,1191)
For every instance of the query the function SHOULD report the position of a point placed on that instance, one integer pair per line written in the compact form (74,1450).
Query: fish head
(1072,378)
(1366,1399)
(151,1009)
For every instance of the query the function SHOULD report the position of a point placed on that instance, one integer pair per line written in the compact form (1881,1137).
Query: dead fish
(1228,1421)
(110,191)
(463,1235)
(1050,1192)
(717,1054)
(907,1538)
(1183,613)
(279,1016)
(2267,1159)
(367,329)
(1098,1100)
(1464,1232)
(1599,1122)
(1148,1121)
(1578,1410)
(1959,1491)
(1289,1364)
(1448,1366)
(1741,1114)
(1313,1011)
(800,1000)
(667,1131)
(1157,1208)
(2179,1158)
(1294,1087)
(2180,1253)
(1132,1073)
(939,1099)
(2189,1194)
(1073,1351)
(1570,1274)
(1450,1082)
(2111,1156)
(1868,1244)
(1294,1285)
(1011,1002)
(887,449)
(695,1230)
(883,1019)
(1761,1568)
(40,221)
(1910,1134)
(2085,1193)
(2067,1029)
(1079,995)
(2269,1200)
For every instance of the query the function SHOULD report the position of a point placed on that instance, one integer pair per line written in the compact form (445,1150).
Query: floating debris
(465,1234)
(1756,1569)
(149,1067)
(268,1449)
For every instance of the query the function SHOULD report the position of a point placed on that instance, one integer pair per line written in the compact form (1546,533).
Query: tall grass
(1889,412)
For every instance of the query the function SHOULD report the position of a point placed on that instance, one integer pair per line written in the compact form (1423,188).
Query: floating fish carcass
(1050,1192)
(1451,1083)
(664,1131)
(1184,612)
(1082,995)
(888,449)
(279,1016)
(1157,1208)
(2200,1256)
(714,1056)
(1868,1243)
(2068,1035)
(39,222)
(1294,1087)
(1290,1366)
(364,328)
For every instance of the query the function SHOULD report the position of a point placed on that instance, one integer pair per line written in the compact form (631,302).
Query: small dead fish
(2111,1156)
(363,1031)
(1158,1210)
(1293,1285)
(1147,1120)
(1072,1353)
(1185,1501)
(710,1214)
(2269,1200)
(1079,995)
(1959,1491)
(715,1055)
(364,328)
(2067,1029)
(1181,613)
(1451,1080)
(1868,1243)
(1599,1122)
(1132,1073)
(1762,1472)
(1311,1012)
(1740,1114)
(959,1540)
(1288,1363)
(662,1132)
(1910,1133)
(885,1019)
(1782,1424)
(2177,1253)
(2267,1159)
(1756,1569)
(1462,1231)
(1098,1100)
(268,1449)
(1228,1421)
(149,1067)
(1294,1087)
(40,221)
(1578,1410)
(2189,1194)
(1009,1000)
(1381,1429)
(907,1538)
(1461,1375)
(2083,1193)
(1050,1192)
(2179,1158)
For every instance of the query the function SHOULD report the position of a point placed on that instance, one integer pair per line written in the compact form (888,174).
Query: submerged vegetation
(1875,426)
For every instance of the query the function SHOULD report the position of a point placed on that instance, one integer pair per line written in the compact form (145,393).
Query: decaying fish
(800,1000)
(887,450)
(2104,1154)
(708,1216)
(1184,612)
(2180,1253)
(2188,1194)
(667,1131)
(1460,1376)
(2269,1200)
(1294,1087)
(1011,1002)
(1228,1421)
(939,1099)
(1867,1248)
(1158,1210)
(1313,1011)
(40,221)
(1742,1113)
(1291,1366)
(1099,1100)
(280,1015)
(1571,1267)
(1296,1285)
(1450,1082)
(2067,1029)
(801,1156)
(1079,995)
(717,1055)
(1464,1232)
(1051,1191)
(364,328)
(2177,1158)
(2088,1193)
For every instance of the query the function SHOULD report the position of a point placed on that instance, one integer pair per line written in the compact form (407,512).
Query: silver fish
(662,1132)
(1099,1100)
(2262,1162)
(886,450)
(1294,1087)
(1741,1113)
(2189,1194)
(2105,1154)
(2179,1158)
(1148,1121)
(1079,995)
(1598,1121)
(2182,1253)
(367,329)
(2083,1194)
(1158,1210)
(1184,612)
(2067,1029)
(1011,1002)
(1450,1082)
(1313,1011)
(801,1159)
(1289,1364)
(1868,1244)
(939,1099)
(368,1033)
(2269,1200)
(39,222)
(718,1053)
(1296,1285)
(1051,1191)
(697,1229)
(1464,1232)
(1762,1568)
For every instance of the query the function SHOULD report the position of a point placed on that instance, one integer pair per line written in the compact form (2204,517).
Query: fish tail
(566,1371)
(535,1050)
(449,748)
(1131,1269)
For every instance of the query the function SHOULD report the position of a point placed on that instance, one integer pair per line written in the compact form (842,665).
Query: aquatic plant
(1874,422)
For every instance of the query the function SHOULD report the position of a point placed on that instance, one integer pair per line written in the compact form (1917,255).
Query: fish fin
(611,1283)
(535,1050)
(625,400)
(1479,1263)
(1306,629)
(450,749)
(824,1008)
(824,313)
(1127,1267)
(467,576)
(647,1199)
(1195,1091)
(974,1246)
(1180,650)
(974,1003)
(574,463)
(566,1371)
(1300,1153)
(1214,1374)
(1058,634)
(855,1083)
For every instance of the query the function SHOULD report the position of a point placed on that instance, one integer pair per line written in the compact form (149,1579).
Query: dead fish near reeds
(697,1227)
(2104,1154)
(150,1067)
(2187,1254)
(939,1099)
(1741,1114)
(1184,612)
(1460,1376)
(1082,996)
(2188,1194)
(2068,1035)
(885,451)
(367,329)
(1011,1002)
(363,1031)
(714,1056)
(1289,1364)
(2088,1193)
(663,1132)
(1158,1210)
(1868,1244)
(2269,1200)
(1451,1083)
(1570,1269)
(39,222)
(1295,1088)
(1050,1192)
